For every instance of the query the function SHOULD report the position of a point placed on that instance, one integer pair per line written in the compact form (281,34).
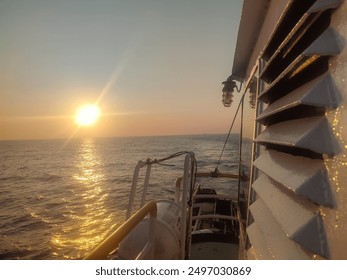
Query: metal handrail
(139,165)
(186,213)
(187,180)
(111,243)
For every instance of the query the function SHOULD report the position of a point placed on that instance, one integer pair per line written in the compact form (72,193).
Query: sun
(87,115)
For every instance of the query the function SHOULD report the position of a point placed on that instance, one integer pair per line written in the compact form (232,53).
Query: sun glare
(87,115)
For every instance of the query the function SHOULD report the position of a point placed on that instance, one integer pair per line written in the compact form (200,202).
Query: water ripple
(59,202)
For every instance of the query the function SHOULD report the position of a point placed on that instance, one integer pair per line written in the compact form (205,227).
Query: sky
(154,67)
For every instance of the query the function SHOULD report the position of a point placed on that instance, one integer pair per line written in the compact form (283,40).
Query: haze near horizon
(151,67)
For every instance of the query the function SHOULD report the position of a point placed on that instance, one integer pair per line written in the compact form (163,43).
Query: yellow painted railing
(111,243)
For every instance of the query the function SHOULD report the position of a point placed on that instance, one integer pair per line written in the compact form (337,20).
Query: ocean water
(58,200)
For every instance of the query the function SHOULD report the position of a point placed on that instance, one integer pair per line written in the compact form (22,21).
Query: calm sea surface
(58,200)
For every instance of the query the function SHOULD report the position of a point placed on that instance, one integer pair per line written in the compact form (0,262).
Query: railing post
(139,165)
(145,184)
(178,189)
(186,187)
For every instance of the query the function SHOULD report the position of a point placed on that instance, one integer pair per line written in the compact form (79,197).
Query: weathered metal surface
(335,219)
(261,249)
(274,237)
(320,92)
(322,5)
(304,197)
(299,219)
(327,44)
(303,176)
(313,134)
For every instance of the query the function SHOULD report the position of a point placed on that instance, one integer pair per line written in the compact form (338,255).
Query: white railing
(186,209)
(137,169)
(187,181)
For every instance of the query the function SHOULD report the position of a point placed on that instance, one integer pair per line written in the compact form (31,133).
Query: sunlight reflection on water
(59,203)
(90,218)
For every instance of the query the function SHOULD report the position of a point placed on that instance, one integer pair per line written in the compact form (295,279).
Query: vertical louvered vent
(292,183)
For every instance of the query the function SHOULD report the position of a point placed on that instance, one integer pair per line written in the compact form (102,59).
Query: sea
(59,199)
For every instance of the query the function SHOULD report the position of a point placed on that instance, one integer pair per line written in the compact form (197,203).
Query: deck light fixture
(228,89)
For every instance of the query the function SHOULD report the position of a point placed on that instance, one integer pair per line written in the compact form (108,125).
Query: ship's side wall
(298,185)
(335,219)
(274,11)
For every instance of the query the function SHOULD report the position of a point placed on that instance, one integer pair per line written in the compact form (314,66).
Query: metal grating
(287,194)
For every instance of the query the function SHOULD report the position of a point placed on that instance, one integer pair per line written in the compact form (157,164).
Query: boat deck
(214,251)
(214,227)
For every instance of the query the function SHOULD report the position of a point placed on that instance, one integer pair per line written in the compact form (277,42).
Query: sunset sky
(154,67)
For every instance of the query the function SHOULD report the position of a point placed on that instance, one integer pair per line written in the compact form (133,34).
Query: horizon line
(106,137)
